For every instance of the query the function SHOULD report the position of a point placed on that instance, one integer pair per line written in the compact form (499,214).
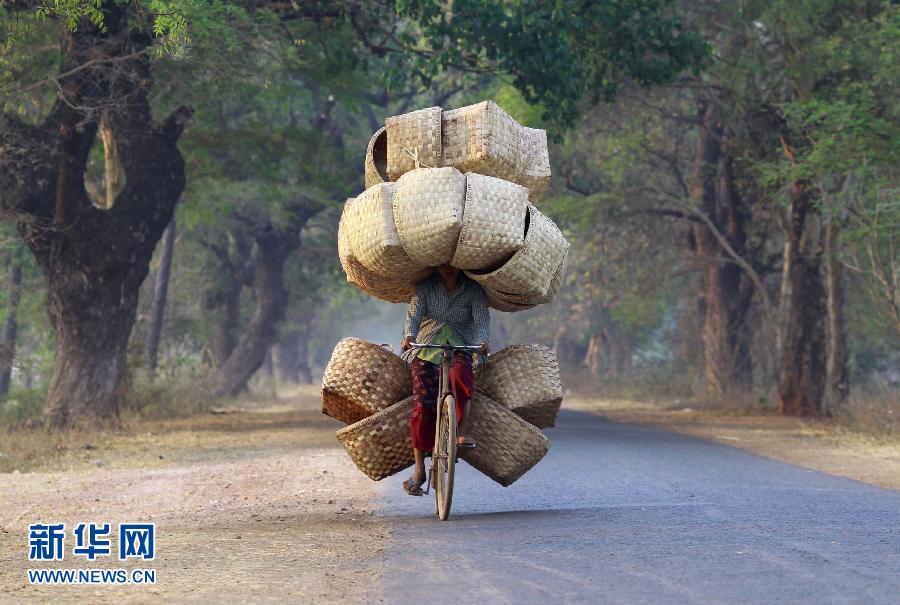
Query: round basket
(380,445)
(362,378)
(376,158)
(413,136)
(531,269)
(428,213)
(498,302)
(483,138)
(507,445)
(392,287)
(531,301)
(373,236)
(524,378)
(345,249)
(536,176)
(493,227)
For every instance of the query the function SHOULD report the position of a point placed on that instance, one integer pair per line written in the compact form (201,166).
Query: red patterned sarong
(426,380)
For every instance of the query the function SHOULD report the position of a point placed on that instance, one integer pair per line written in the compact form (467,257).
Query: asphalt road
(625,514)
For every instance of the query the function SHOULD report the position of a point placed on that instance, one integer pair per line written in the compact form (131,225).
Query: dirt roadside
(816,445)
(259,505)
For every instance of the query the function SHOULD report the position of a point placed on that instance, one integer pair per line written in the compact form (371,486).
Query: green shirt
(446,336)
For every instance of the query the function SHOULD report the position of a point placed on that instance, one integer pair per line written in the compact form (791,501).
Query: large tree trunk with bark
(160,295)
(837,371)
(802,376)
(272,246)
(94,259)
(10,323)
(725,295)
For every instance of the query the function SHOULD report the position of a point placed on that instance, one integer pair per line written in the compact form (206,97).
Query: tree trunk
(716,358)
(593,356)
(285,358)
(272,248)
(837,371)
(160,294)
(802,375)
(304,371)
(93,259)
(10,323)
(291,355)
(725,299)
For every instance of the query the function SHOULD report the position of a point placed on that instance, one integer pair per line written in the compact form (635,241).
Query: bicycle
(443,457)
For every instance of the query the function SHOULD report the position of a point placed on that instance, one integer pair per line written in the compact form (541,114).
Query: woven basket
(507,446)
(392,287)
(493,226)
(536,175)
(499,302)
(376,158)
(524,378)
(345,249)
(416,134)
(428,213)
(483,138)
(532,300)
(362,378)
(381,287)
(373,236)
(380,445)
(531,269)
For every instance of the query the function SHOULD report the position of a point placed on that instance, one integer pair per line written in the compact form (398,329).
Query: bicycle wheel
(445,458)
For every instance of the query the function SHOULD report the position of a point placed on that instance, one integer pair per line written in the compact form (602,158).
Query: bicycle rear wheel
(445,458)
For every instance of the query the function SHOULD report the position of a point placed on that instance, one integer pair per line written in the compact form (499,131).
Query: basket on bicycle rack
(380,445)
(362,378)
(524,378)
(507,445)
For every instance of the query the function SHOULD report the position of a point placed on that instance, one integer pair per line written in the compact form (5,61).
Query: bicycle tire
(445,463)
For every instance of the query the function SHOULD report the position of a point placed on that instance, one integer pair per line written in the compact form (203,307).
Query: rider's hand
(485,348)
(404,344)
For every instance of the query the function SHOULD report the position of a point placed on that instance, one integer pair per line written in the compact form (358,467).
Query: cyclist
(447,308)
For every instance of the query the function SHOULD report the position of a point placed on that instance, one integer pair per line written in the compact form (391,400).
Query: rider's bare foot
(464,442)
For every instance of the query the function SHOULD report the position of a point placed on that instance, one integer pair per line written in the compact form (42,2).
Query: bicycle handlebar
(416,345)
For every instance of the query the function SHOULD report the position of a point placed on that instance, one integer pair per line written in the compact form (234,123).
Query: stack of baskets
(451,187)
(518,393)
(455,187)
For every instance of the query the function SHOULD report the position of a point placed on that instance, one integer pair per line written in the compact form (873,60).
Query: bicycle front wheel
(445,457)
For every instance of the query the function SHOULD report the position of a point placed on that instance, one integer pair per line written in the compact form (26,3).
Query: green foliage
(22,406)
(561,53)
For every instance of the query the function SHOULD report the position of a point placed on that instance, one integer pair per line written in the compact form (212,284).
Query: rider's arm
(481,318)
(415,313)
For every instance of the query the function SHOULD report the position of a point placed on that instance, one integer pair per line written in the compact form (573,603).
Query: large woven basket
(376,158)
(345,249)
(507,446)
(380,445)
(373,236)
(536,175)
(392,288)
(483,138)
(493,226)
(428,213)
(413,141)
(524,378)
(498,301)
(518,300)
(531,269)
(362,378)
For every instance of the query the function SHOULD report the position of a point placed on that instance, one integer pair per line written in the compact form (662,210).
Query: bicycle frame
(445,411)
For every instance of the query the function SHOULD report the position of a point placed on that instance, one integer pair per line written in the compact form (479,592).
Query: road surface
(626,514)
(265,506)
